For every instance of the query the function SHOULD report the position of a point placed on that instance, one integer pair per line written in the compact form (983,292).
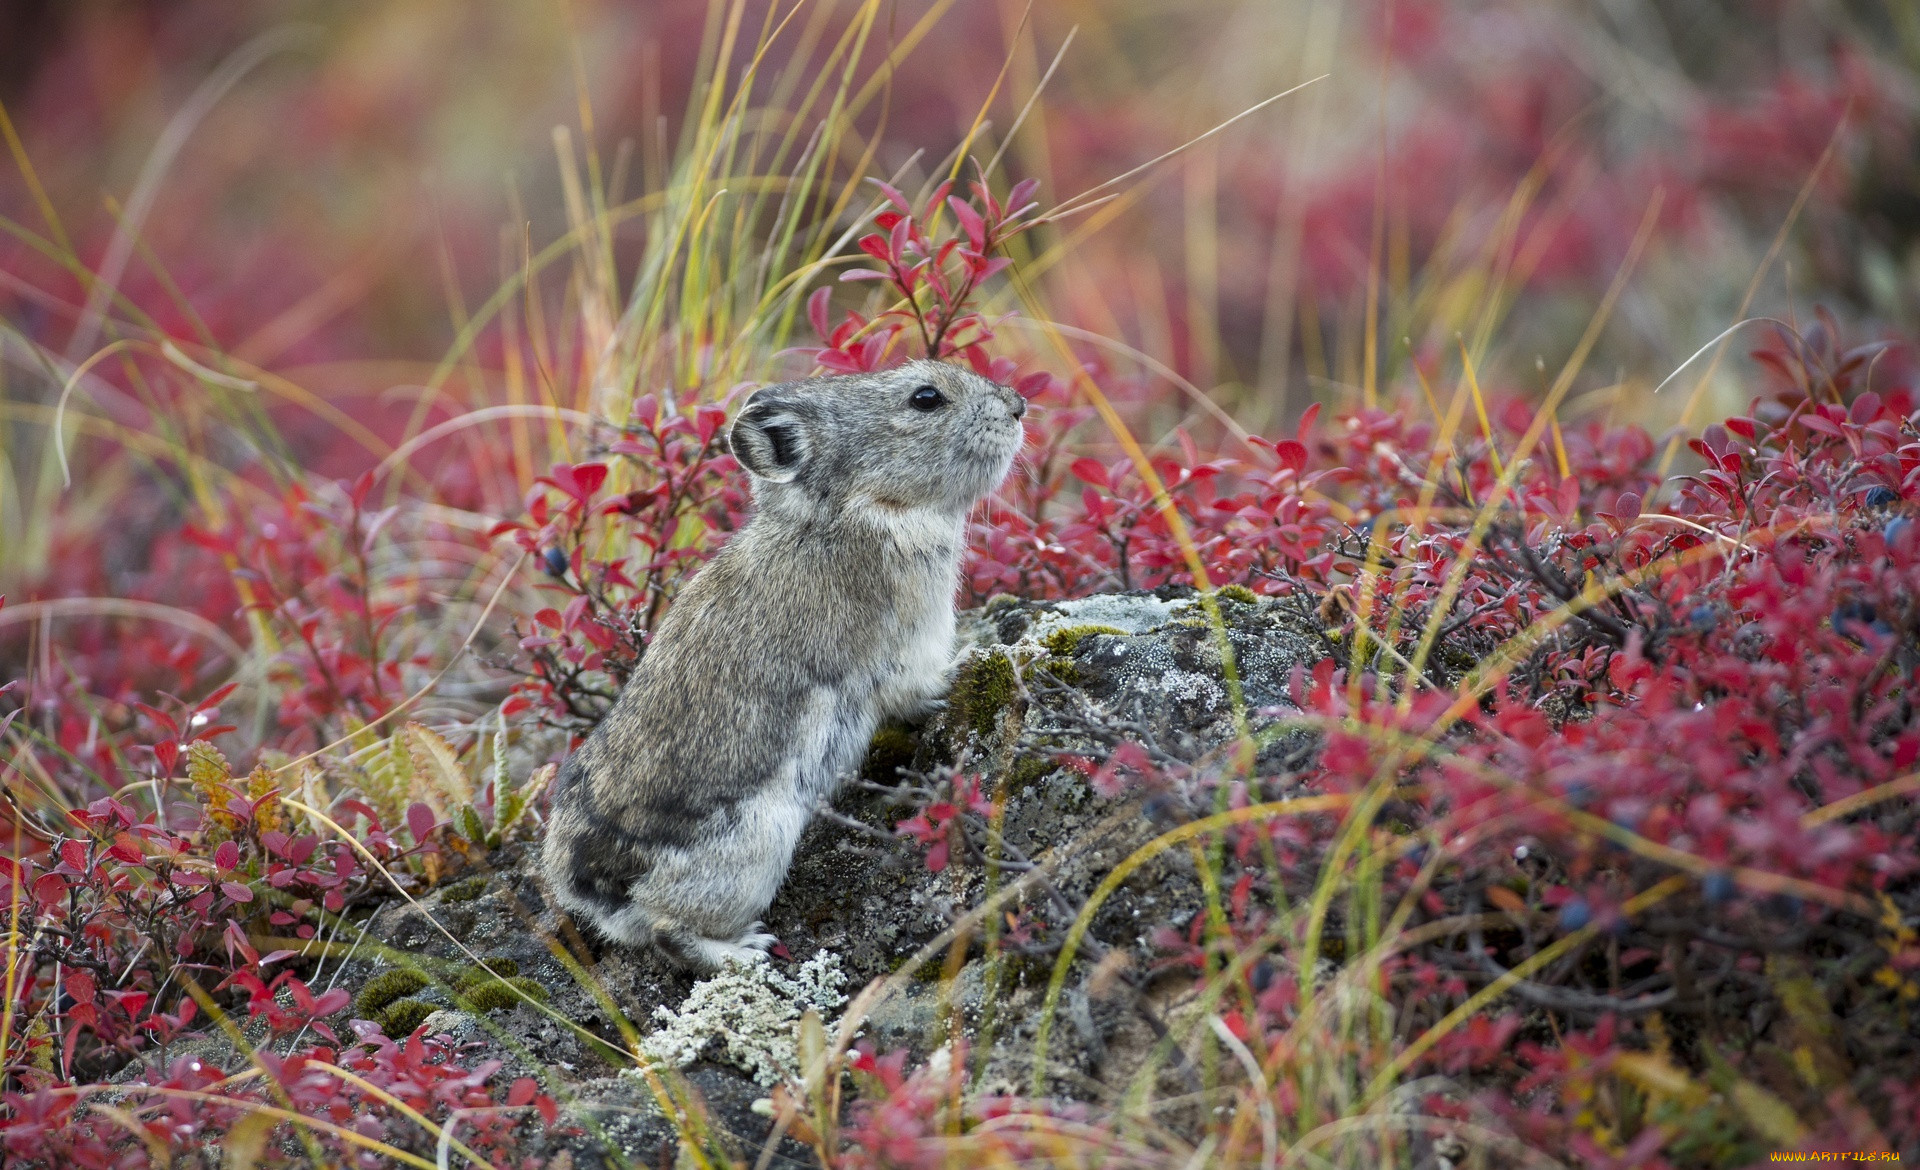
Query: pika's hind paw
(710,954)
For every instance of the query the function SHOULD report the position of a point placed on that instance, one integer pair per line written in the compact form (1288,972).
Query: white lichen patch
(1184,686)
(748,1016)
(1134,614)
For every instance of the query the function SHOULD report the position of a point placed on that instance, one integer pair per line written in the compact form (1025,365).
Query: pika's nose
(1019,404)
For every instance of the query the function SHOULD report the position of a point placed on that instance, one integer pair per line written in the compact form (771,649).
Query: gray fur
(829,612)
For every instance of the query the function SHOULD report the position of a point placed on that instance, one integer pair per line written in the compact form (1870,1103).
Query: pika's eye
(926,398)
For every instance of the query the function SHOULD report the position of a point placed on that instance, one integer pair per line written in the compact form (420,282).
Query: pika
(831,610)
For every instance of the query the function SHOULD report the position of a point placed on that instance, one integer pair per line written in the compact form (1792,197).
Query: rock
(1036,682)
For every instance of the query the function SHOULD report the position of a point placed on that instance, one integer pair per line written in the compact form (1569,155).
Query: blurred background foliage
(329,191)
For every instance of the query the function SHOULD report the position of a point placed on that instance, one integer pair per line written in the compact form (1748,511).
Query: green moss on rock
(383,989)
(1062,669)
(1066,640)
(892,749)
(982,690)
(498,993)
(403,1016)
(500,966)
(464,890)
(1239,593)
(1028,771)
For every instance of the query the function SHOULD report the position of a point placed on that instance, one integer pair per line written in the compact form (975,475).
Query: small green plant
(384,989)
(1065,641)
(399,1018)
(981,691)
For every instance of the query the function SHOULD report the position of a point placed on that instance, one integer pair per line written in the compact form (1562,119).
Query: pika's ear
(770,440)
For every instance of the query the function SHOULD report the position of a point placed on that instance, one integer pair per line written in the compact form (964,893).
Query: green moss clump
(464,890)
(1065,641)
(384,989)
(530,988)
(403,1016)
(1239,593)
(892,749)
(497,993)
(1062,669)
(1028,771)
(982,691)
(468,978)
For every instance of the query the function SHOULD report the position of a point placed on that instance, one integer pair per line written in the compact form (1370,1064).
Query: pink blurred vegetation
(365,369)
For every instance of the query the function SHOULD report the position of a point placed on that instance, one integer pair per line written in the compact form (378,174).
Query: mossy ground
(390,998)
(1065,641)
(464,890)
(893,748)
(981,691)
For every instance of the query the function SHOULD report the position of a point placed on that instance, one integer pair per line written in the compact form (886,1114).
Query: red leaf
(236,891)
(893,196)
(1092,471)
(210,701)
(522,1091)
(73,854)
(420,819)
(160,717)
(168,754)
(1307,418)
(80,985)
(817,305)
(976,227)
(589,477)
(331,1002)
(126,848)
(227,857)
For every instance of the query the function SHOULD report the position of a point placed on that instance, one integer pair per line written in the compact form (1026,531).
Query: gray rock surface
(1037,681)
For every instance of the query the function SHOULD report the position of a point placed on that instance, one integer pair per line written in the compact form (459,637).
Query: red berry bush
(1605,844)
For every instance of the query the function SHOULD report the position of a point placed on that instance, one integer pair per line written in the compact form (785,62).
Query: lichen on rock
(748,1016)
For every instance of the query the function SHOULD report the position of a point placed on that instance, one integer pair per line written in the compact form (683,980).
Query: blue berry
(1576,914)
(1895,527)
(1702,618)
(1850,613)
(1718,887)
(556,562)
(1162,809)
(1882,497)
